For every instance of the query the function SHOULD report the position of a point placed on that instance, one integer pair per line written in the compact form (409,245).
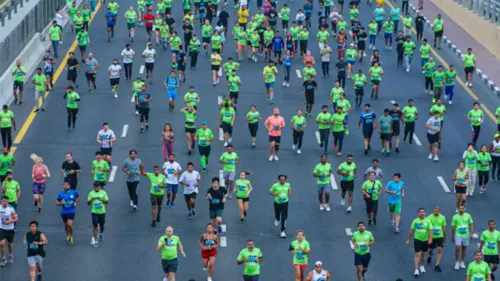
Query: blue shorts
(388,35)
(173,187)
(111,25)
(175,52)
(38,188)
(423,61)
(323,188)
(269,85)
(172,95)
(449,89)
(130,25)
(351,62)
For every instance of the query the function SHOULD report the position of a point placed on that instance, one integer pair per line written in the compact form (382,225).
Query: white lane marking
(317,137)
(222,182)
(221,134)
(417,141)
(141,70)
(124,131)
(223,227)
(333,182)
(348,231)
(223,241)
(113,174)
(219,99)
(443,184)
(298,73)
(132,100)
(393,101)
(351,244)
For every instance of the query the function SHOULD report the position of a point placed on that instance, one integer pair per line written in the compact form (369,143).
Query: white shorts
(462,241)
(33,260)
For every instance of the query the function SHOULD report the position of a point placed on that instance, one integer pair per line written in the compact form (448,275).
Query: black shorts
(205,40)
(101,183)
(215,67)
(7,235)
(347,186)
(432,138)
(359,92)
(250,277)
(275,139)
(438,34)
(491,259)
(420,246)
(190,130)
(114,81)
(269,46)
(169,265)
(361,46)
(156,200)
(469,69)
(385,136)
(18,85)
(436,243)
(362,260)
(216,50)
(181,67)
(375,82)
(83,48)
(149,66)
(149,29)
(227,128)
(395,130)
(90,76)
(71,76)
(371,206)
(66,217)
(244,199)
(98,219)
(309,98)
(367,134)
(253,127)
(188,197)
(204,150)
(460,189)
(106,150)
(234,95)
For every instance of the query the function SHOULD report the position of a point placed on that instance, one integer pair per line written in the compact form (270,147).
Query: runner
(19,77)
(438,79)
(244,188)
(479,269)
(55,33)
(226,121)
(298,124)
(7,162)
(359,80)
(157,191)
(216,195)
(339,129)
(469,60)
(204,136)
(410,115)
(131,167)
(209,242)
(409,48)
(462,230)
(100,169)
(281,191)
(216,60)
(190,180)
(194,49)
(149,20)
(142,100)
(361,241)
(375,72)
(348,173)
(190,114)
(433,126)
(274,124)
(300,250)
(172,84)
(269,73)
(438,222)
(428,70)
(48,70)
(438,26)
(72,66)
(310,87)
(470,157)
(70,170)
(149,55)
(371,189)
(366,118)
(34,241)
(323,173)
(229,159)
(7,229)
(131,17)
(251,257)
(172,170)
(389,27)
(490,238)
(83,42)
(476,118)
(115,70)
(98,198)
(450,76)
(483,168)
(319,274)
(91,67)
(39,174)
(396,191)
(110,23)
(461,176)
(106,137)
(323,121)
(12,190)
(421,229)
(167,245)
(439,107)
(40,82)
(385,129)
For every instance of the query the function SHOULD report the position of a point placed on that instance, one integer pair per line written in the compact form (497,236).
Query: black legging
(7,137)
(128,70)
(253,128)
(144,112)
(72,116)
(495,160)
(475,133)
(325,66)
(281,213)
(132,191)
(284,24)
(400,57)
(338,139)
(404,7)
(341,78)
(324,135)
(303,47)
(409,130)
(297,138)
(429,84)
(483,178)
(287,74)
(194,58)
(420,33)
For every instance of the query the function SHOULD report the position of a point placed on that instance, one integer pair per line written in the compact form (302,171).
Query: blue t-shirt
(287,61)
(171,83)
(393,186)
(367,119)
(142,99)
(278,43)
(110,18)
(69,198)
(308,10)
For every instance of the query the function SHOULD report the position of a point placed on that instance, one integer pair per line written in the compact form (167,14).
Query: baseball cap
(203,122)
(318,263)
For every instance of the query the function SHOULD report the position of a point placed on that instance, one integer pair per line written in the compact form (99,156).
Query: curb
(448,43)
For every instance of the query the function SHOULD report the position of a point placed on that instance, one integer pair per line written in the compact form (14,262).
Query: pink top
(275,124)
(39,172)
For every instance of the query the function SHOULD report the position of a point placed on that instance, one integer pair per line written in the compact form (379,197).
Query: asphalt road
(129,250)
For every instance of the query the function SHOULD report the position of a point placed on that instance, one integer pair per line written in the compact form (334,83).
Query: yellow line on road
(4,3)
(459,80)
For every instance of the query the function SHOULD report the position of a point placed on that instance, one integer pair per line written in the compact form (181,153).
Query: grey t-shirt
(133,167)
(378,172)
(91,65)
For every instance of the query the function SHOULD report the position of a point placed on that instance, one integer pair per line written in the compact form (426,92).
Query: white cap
(318,263)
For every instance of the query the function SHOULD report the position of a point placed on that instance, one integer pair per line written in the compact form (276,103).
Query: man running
(172,170)
(410,115)
(251,257)
(361,242)
(323,173)
(478,269)
(69,169)
(269,73)
(115,70)
(131,167)
(396,191)
(7,126)
(190,180)
(7,230)
(421,230)
(157,191)
(319,273)
(34,241)
(100,169)
(281,191)
(438,222)
(216,196)
(98,199)
(142,100)
(491,239)
(106,137)
(371,189)
(204,136)
(91,67)
(274,124)
(167,245)
(19,76)
(462,230)
(366,119)
(68,199)
(469,66)
(348,173)
(229,159)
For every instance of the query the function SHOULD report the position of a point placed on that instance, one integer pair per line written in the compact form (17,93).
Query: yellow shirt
(242,16)
(215,59)
(269,74)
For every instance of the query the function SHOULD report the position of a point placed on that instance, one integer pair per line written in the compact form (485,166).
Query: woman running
(460,177)
(253,117)
(40,173)
(243,189)
(209,242)
(167,139)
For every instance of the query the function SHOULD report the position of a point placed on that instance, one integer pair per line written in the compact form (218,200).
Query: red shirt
(149,19)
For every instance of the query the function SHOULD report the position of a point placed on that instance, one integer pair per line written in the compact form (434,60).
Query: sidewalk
(485,60)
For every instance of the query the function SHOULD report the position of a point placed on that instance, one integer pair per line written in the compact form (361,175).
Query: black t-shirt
(310,86)
(395,117)
(399,43)
(341,65)
(272,17)
(217,197)
(68,167)
(188,29)
(223,17)
(170,22)
(72,62)
(419,22)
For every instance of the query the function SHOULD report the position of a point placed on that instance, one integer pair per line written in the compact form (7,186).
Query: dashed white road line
(393,101)
(112,175)
(222,182)
(132,99)
(298,73)
(223,227)
(219,100)
(141,70)
(348,231)
(333,182)
(317,137)
(443,184)
(417,141)
(223,241)
(124,131)
(221,134)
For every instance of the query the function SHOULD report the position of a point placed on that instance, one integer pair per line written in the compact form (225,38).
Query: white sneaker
(116,95)
(293,147)
(416,273)
(134,207)
(422,269)
(284,83)
(327,208)
(225,143)
(298,151)
(137,113)
(407,70)
(230,140)
(288,84)
(470,85)
(349,209)
(205,268)
(457,265)
(435,159)
(430,156)
(321,207)
(282,234)
(209,278)
(449,102)
(131,203)
(462,265)
(165,279)
(342,202)
(276,222)
(92,241)
(276,158)
(471,193)
(271,158)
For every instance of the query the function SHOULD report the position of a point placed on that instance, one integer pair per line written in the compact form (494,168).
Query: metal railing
(488,9)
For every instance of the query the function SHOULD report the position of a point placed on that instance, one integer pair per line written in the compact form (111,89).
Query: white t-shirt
(6,214)
(433,122)
(59,19)
(172,171)
(189,180)
(149,55)
(128,55)
(105,137)
(114,71)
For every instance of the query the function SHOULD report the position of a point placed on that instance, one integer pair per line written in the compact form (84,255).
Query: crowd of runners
(275,36)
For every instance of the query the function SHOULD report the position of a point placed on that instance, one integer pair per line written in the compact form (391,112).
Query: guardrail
(488,9)
(8,8)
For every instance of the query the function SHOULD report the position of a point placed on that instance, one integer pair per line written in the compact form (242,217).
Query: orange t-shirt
(275,124)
